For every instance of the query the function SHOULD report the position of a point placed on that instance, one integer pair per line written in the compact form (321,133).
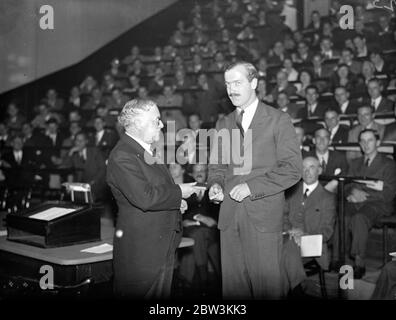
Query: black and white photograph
(197,156)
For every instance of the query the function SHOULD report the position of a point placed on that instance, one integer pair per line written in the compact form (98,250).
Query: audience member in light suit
(148,227)
(252,195)
(310,209)
(367,203)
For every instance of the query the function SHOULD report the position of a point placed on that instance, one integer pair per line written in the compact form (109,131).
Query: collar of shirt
(371,158)
(83,153)
(310,187)
(344,106)
(145,146)
(99,135)
(376,102)
(323,156)
(312,107)
(333,131)
(248,114)
(18,154)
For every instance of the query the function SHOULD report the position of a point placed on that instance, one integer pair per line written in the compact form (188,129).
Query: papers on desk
(375,185)
(103,248)
(52,213)
(311,245)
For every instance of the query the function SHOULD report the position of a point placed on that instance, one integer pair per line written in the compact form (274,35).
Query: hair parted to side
(133,109)
(250,68)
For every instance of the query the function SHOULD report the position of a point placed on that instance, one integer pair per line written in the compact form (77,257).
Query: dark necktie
(305,196)
(367,162)
(239,118)
(323,165)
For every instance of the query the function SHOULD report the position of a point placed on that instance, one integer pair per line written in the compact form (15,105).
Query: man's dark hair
(250,68)
(374,132)
(312,86)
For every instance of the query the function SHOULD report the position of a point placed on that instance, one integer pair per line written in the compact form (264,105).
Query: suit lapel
(257,119)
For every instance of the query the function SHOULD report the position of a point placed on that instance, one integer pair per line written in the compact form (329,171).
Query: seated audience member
(54,134)
(313,107)
(390,129)
(320,70)
(381,66)
(20,163)
(43,115)
(200,223)
(366,121)
(344,105)
(305,80)
(74,128)
(94,100)
(363,79)
(338,132)
(5,138)
(343,77)
(14,119)
(303,55)
(117,99)
(327,51)
(171,104)
(385,288)
(283,85)
(367,203)
(132,87)
(52,100)
(376,100)
(300,133)
(104,139)
(108,84)
(74,101)
(347,58)
(89,165)
(292,73)
(361,50)
(88,84)
(295,111)
(277,54)
(309,210)
(330,161)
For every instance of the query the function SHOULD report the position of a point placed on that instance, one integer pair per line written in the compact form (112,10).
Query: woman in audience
(292,74)
(342,77)
(305,79)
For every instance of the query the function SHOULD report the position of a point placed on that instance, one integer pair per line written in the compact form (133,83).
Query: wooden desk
(71,266)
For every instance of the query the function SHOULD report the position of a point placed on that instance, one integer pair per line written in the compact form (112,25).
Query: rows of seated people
(334,83)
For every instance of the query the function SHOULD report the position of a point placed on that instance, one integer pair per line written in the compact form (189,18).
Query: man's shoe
(358,272)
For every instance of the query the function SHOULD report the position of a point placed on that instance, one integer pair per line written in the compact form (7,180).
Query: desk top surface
(70,255)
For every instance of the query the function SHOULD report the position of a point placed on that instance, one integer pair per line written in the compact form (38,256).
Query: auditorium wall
(80,28)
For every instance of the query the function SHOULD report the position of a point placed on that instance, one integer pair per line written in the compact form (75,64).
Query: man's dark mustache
(234,95)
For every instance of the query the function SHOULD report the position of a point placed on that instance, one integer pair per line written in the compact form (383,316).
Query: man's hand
(216,193)
(188,189)
(190,223)
(208,221)
(240,192)
(183,206)
(359,195)
(296,234)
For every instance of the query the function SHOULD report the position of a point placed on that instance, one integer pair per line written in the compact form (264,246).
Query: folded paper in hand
(311,245)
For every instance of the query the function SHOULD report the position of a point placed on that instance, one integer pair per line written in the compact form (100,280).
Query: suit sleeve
(288,168)
(328,221)
(138,189)
(217,171)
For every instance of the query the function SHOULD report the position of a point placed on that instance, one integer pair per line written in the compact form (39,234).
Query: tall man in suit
(252,197)
(310,209)
(149,202)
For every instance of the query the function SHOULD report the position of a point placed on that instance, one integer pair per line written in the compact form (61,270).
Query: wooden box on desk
(43,227)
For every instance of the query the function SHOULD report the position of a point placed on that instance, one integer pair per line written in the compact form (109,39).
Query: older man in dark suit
(310,210)
(251,190)
(149,202)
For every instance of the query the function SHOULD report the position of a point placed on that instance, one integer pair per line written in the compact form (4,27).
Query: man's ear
(320,170)
(314,141)
(253,84)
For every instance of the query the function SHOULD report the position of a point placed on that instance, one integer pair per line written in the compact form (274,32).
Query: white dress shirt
(310,187)
(248,114)
(99,136)
(376,102)
(324,157)
(145,146)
